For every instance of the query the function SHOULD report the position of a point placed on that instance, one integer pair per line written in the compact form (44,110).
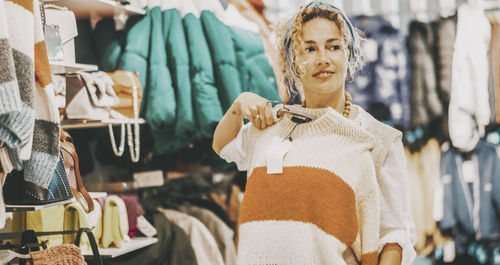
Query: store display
(163,84)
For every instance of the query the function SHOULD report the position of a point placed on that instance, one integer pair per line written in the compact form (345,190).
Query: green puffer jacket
(223,58)
(205,97)
(161,99)
(178,63)
(134,57)
(160,111)
(107,43)
(256,74)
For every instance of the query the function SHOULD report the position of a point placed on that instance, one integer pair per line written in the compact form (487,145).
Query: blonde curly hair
(290,38)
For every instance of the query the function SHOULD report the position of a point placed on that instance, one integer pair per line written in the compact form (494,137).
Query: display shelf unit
(106,8)
(62,67)
(81,124)
(24,208)
(127,247)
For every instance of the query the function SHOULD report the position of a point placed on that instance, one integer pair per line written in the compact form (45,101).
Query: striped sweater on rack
(29,121)
(325,201)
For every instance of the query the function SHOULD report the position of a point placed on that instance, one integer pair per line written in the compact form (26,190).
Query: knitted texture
(66,254)
(16,77)
(325,200)
(29,121)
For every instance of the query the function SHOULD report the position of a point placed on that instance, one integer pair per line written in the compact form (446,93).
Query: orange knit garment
(66,254)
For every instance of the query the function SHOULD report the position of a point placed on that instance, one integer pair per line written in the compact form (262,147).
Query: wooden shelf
(106,8)
(127,247)
(24,208)
(62,68)
(81,124)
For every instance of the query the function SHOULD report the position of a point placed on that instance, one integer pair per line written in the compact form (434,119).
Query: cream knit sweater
(324,201)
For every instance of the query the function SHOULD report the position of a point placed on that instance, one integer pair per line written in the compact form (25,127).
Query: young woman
(329,190)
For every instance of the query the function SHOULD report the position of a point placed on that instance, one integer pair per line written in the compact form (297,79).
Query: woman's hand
(254,108)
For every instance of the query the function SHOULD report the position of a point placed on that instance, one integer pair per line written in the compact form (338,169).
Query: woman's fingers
(262,115)
(254,118)
(269,114)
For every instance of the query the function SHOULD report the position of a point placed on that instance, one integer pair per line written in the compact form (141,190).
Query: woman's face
(322,57)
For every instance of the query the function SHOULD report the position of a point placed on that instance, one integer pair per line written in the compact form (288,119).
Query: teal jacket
(256,74)
(223,58)
(206,102)
(135,53)
(178,63)
(108,44)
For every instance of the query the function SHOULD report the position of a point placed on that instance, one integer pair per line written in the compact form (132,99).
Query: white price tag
(145,227)
(469,171)
(275,154)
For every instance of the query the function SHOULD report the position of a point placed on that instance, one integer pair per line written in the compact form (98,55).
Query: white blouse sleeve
(237,150)
(396,224)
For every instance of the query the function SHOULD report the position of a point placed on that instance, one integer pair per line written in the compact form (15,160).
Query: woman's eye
(335,47)
(310,49)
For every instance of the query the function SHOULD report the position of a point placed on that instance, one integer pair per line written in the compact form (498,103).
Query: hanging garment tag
(449,252)
(469,171)
(145,227)
(275,154)
(370,47)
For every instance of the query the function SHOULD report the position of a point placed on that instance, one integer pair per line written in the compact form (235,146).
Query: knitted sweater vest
(385,135)
(325,200)
(29,120)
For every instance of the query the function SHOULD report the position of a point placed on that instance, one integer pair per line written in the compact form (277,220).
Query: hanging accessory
(118,152)
(132,84)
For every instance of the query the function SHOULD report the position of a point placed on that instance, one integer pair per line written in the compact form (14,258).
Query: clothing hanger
(297,116)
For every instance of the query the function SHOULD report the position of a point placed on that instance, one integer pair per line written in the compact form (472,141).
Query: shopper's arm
(391,254)
(247,105)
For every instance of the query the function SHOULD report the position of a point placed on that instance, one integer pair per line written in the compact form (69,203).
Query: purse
(72,168)
(125,84)
(17,191)
(65,21)
(89,96)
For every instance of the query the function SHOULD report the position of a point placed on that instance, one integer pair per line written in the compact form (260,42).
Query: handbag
(65,21)
(17,191)
(89,96)
(72,168)
(125,84)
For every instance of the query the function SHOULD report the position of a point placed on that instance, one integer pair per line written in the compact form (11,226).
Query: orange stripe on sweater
(369,258)
(26,4)
(304,194)
(42,67)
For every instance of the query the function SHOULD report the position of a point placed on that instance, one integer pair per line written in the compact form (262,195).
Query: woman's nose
(322,58)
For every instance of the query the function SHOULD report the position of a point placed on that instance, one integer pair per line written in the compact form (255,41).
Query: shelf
(62,67)
(81,124)
(106,8)
(127,247)
(24,208)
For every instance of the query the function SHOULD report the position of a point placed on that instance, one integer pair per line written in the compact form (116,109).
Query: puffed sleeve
(237,150)
(396,223)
